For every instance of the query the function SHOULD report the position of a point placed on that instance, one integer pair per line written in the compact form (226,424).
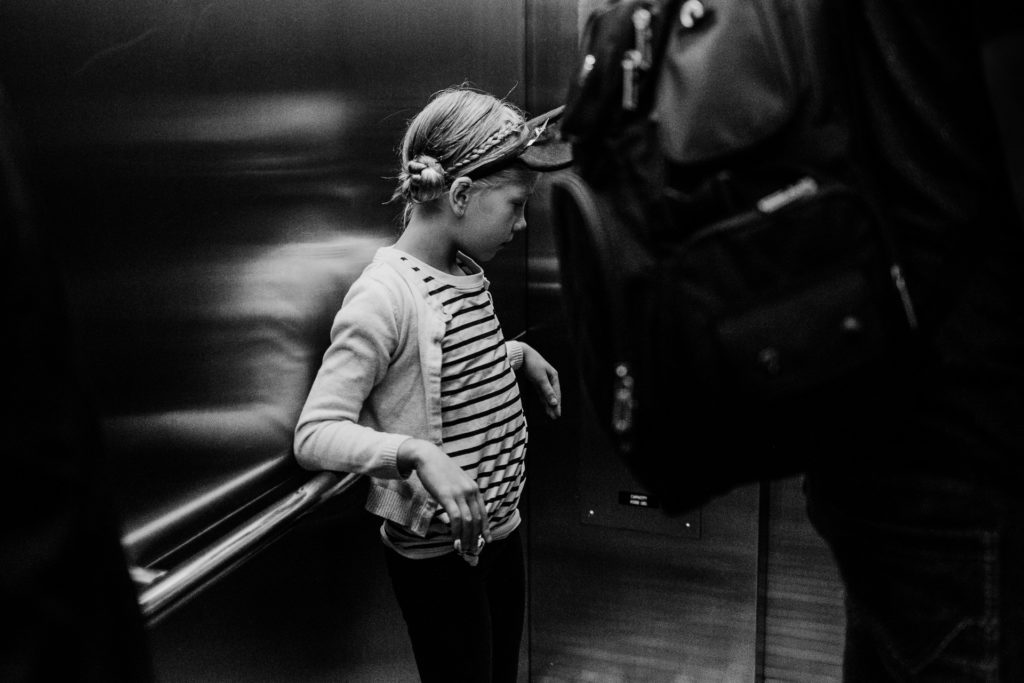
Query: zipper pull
(896,273)
(642,36)
(805,187)
(623,403)
(588,65)
(630,73)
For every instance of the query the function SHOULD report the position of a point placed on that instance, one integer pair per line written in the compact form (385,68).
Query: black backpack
(734,300)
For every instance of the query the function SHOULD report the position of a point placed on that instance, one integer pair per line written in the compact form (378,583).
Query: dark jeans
(465,623)
(923,504)
(932,567)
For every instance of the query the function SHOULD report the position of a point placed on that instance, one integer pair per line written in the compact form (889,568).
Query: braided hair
(458,127)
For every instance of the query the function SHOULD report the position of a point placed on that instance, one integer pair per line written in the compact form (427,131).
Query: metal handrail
(174,587)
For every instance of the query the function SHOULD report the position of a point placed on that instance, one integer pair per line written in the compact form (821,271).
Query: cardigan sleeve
(364,337)
(515,354)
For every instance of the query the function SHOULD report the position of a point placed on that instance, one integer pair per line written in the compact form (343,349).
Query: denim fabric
(923,505)
(930,565)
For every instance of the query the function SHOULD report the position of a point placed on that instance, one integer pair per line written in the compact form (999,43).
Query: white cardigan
(380,384)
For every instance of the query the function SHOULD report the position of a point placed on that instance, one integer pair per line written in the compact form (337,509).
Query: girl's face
(493,215)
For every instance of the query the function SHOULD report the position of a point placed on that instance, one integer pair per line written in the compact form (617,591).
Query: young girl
(418,390)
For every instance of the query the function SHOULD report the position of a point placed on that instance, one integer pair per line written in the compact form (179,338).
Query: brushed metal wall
(619,592)
(214,176)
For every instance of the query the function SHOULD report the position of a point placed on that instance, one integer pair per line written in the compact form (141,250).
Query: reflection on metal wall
(619,592)
(207,245)
(214,175)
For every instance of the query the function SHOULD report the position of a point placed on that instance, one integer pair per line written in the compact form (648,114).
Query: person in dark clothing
(66,599)
(926,523)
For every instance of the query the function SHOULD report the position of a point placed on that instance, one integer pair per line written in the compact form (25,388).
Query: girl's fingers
(482,516)
(470,526)
(552,396)
(554,407)
(455,520)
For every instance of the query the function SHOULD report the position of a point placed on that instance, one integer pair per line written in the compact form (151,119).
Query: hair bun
(424,178)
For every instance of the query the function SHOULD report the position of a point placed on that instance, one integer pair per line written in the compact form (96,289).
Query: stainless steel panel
(610,496)
(621,594)
(214,175)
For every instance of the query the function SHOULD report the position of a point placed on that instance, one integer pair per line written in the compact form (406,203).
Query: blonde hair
(459,128)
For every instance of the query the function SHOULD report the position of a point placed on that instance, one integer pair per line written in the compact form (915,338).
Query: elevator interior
(214,176)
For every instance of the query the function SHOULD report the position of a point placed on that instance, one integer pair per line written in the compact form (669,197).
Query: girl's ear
(458,195)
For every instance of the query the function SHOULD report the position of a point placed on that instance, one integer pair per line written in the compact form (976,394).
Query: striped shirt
(483,424)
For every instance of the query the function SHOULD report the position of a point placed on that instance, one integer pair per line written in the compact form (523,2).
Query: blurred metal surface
(170,589)
(203,361)
(213,177)
(618,592)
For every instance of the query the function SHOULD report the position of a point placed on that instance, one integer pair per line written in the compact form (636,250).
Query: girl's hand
(454,490)
(545,380)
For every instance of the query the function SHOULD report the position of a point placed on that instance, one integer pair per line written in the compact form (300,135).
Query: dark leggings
(465,623)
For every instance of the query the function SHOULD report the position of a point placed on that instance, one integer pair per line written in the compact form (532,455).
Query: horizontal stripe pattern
(484,427)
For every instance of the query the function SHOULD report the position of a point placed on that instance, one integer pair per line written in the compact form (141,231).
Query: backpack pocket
(787,299)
